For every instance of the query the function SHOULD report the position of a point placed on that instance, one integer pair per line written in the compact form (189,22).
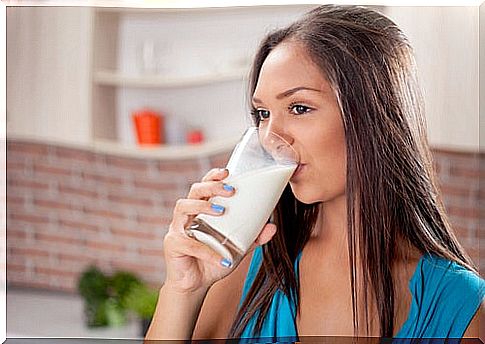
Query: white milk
(247,211)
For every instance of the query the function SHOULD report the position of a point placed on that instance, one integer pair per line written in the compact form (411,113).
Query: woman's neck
(330,233)
(332,220)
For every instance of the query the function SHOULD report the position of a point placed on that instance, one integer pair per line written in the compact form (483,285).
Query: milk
(247,211)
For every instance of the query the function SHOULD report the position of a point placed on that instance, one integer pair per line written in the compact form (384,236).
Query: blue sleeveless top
(445,297)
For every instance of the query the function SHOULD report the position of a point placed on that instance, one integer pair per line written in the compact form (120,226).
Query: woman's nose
(288,138)
(271,130)
(278,128)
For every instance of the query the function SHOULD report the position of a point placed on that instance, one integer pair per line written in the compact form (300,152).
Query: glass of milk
(260,167)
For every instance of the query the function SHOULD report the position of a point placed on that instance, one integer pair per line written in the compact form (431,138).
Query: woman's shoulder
(448,276)
(446,296)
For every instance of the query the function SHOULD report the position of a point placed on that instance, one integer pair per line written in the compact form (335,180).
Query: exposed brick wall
(68,208)
(459,175)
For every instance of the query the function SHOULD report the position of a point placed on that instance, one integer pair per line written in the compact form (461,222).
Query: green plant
(122,283)
(93,285)
(105,296)
(142,300)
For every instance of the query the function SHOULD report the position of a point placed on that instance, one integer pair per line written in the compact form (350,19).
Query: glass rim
(297,155)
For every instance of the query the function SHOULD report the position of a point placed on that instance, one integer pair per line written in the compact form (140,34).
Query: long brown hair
(392,196)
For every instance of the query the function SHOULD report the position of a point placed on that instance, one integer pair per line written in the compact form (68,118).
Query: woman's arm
(175,314)
(191,266)
(221,304)
(205,314)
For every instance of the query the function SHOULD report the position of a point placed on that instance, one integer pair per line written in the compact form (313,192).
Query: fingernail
(226,262)
(228,187)
(223,169)
(218,208)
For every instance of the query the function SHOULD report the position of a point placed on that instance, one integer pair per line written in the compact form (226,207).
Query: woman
(360,244)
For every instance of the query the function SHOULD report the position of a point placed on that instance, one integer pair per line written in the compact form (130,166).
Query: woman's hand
(191,265)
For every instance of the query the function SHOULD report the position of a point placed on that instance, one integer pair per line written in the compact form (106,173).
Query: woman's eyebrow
(289,93)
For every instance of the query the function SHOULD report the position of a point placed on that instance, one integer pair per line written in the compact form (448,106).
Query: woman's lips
(298,171)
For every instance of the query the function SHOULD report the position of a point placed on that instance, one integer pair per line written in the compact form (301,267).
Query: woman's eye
(262,114)
(299,109)
(295,109)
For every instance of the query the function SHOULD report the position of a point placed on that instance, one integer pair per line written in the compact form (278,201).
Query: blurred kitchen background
(88,204)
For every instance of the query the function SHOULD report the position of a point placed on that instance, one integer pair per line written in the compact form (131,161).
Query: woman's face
(294,100)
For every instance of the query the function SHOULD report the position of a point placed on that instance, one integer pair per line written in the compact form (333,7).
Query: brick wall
(459,176)
(68,208)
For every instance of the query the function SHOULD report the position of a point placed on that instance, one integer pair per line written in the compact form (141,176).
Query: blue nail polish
(226,262)
(228,187)
(218,208)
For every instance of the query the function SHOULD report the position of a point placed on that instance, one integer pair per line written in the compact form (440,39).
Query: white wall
(48,72)
(49,51)
(446,44)
(482,77)
(195,43)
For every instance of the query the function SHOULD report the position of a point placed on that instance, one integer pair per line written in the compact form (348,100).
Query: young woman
(360,244)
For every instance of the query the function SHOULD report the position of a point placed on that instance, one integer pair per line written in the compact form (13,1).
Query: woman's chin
(304,196)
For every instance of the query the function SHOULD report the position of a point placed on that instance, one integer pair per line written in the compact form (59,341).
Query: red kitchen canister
(148,125)
(195,136)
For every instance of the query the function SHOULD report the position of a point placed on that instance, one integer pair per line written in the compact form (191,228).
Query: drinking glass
(260,167)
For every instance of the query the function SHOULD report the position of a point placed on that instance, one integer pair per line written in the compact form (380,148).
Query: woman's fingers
(184,208)
(197,199)
(180,245)
(205,190)
(195,206)
(216,174)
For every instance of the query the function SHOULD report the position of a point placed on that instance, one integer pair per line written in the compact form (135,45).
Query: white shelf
(161,152)
(113,78)
(165,152)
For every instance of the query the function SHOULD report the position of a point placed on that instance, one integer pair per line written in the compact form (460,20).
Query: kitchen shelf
(114,78)
(160,152)
(204,65)
(166,152)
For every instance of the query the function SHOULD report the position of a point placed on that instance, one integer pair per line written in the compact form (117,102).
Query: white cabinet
(195,69)
(76,74)
(48,73)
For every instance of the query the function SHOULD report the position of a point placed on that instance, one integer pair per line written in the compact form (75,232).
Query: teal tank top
(445,297)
